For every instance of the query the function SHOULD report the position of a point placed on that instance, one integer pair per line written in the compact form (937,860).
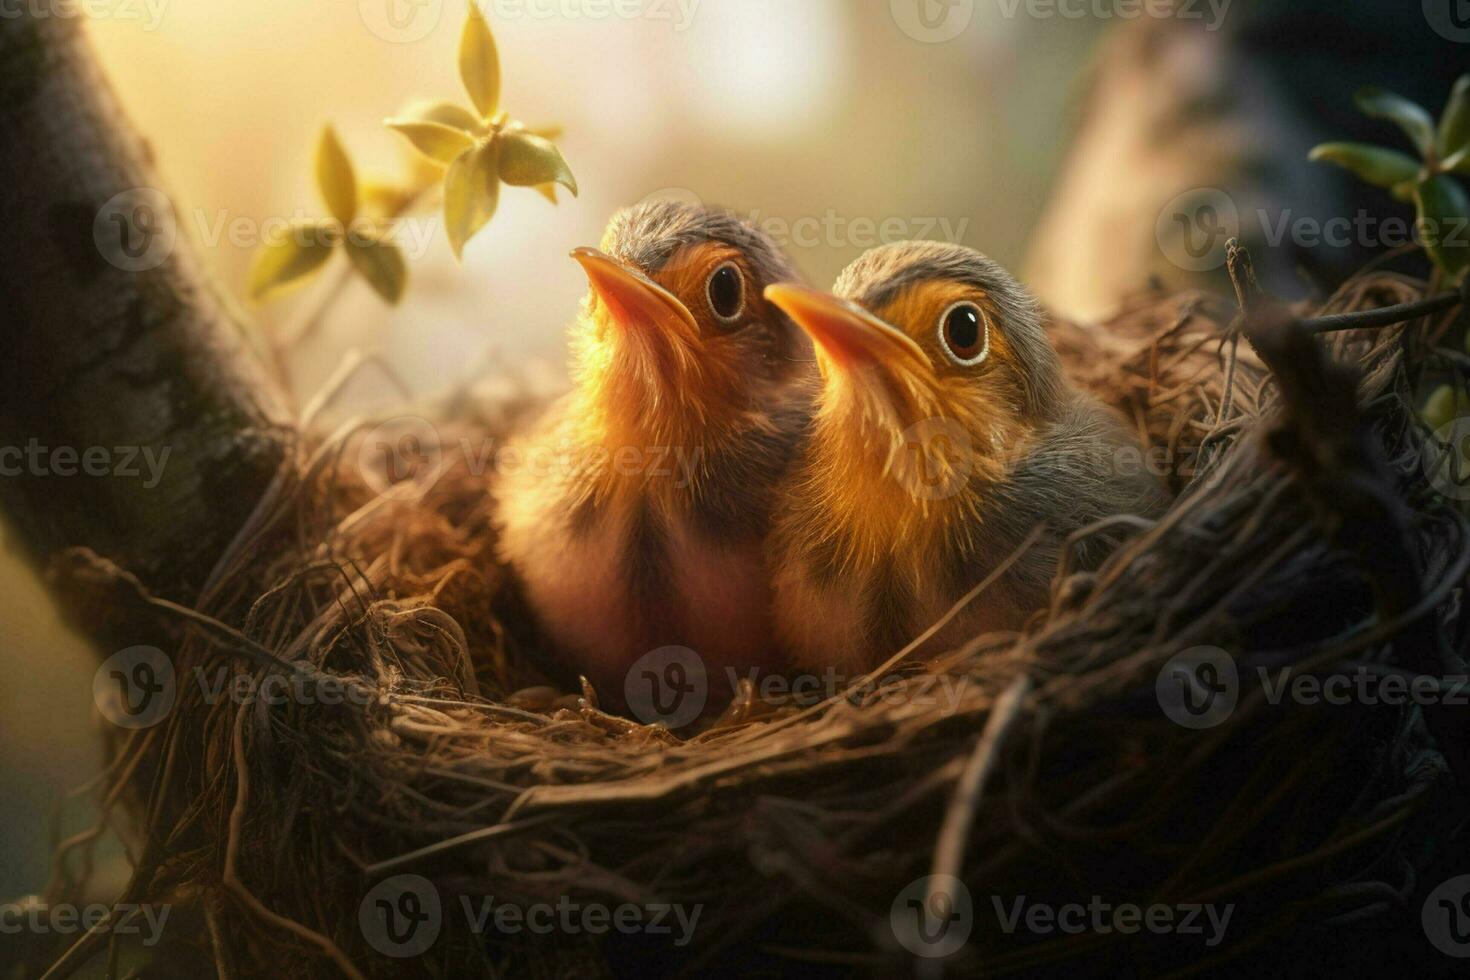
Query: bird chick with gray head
(690,391)
(944,433)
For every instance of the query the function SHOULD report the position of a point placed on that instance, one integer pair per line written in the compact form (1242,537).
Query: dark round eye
(726,292)
(965,333)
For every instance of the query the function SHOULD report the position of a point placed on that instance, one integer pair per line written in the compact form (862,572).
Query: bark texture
(111,339)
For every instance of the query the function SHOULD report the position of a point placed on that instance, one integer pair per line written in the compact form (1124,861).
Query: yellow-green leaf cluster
(1444,150)
(301,248)
(483,148)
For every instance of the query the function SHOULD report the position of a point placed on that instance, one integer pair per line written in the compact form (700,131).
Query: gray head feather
(882,274)
(649,235)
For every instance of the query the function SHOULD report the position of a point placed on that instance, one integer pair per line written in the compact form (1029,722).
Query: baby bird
(646,528)
(943,434)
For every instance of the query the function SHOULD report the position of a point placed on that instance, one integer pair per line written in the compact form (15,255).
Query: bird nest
(429,768)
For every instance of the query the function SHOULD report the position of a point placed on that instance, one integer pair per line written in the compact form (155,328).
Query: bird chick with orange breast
(944,433)
(646,529)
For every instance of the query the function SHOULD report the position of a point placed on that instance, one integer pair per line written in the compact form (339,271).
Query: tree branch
(134,420)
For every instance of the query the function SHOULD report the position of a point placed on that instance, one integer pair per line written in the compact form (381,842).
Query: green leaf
(291,255)
(1454,125)
(1458,162)
(527,160)
(433,140)
(1444,224)
(479,63)
(380,263)
(445,114)
(1409,116)
(471,193)
(335,178)
(1378,166)
(1446,404)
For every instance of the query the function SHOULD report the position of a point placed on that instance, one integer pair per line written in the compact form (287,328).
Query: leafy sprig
(1443,150)
(303,247)
(484,148)
(468,154)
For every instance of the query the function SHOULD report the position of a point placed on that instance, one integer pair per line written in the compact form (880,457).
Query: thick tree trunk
(134,420)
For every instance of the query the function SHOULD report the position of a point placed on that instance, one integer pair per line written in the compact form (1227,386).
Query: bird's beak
(635,301)
(848,335)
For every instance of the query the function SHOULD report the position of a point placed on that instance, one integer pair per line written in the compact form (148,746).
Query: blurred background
(1051,135)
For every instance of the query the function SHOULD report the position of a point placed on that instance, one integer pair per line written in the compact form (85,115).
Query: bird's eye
(726,290)
(965,334)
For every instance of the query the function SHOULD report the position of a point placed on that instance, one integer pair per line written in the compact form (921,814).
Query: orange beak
(847,335)
(634,301)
